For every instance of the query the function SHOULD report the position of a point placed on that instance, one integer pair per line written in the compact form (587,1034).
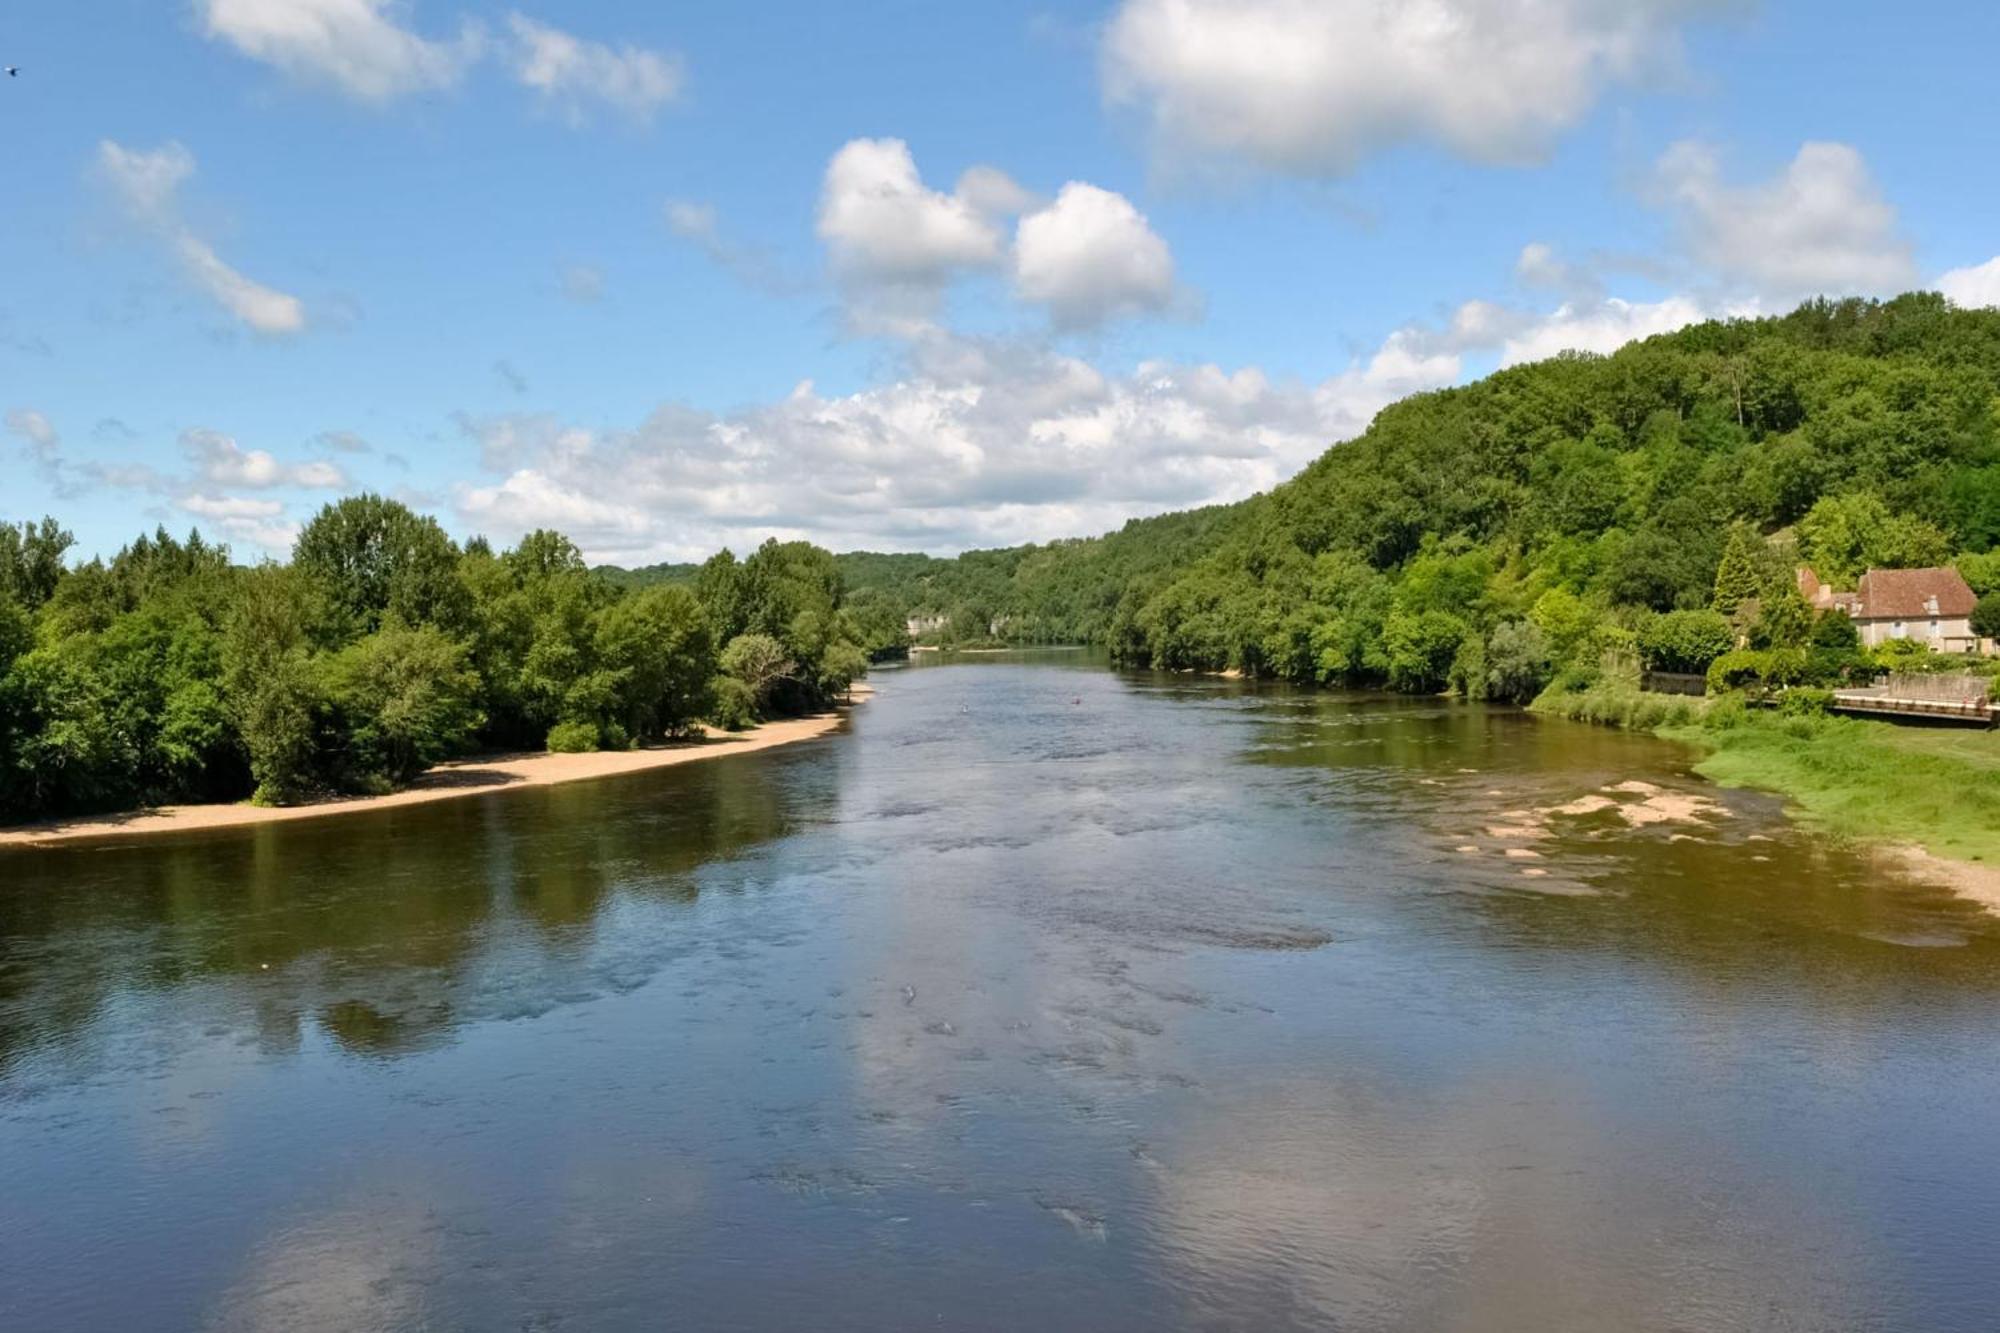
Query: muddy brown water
(1041,996)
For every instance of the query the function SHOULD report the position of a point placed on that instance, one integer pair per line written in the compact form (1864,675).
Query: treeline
(167,673)
(1497,537)
(1061,592)
(1492,537)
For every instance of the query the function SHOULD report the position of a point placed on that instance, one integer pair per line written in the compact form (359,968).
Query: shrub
(1804,701)
(1684,640)
(732,705)
(573,737)
(1757,669)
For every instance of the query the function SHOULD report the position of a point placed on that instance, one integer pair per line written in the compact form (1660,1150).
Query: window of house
(1898,631)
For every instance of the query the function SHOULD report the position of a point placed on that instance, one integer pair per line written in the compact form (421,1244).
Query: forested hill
(1540,509)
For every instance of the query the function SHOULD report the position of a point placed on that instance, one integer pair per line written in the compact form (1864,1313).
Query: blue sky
(898,276)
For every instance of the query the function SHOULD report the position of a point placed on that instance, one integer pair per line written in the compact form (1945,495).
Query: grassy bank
(1936,788)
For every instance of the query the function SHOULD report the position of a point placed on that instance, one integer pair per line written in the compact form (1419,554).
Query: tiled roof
(1905,594)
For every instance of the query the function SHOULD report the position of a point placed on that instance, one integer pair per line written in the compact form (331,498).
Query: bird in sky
(13,71)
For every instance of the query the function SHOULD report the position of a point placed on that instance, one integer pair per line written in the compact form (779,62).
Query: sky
(898,276)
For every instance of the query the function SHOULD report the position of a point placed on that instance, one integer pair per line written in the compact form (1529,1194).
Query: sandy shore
(449,781)
(1970,879)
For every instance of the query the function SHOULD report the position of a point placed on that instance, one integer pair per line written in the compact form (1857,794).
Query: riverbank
(478,775)
(1928,799)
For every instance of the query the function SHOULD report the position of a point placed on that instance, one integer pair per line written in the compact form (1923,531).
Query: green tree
(761,663)
(1685,641)
(1744,572)
(373,557)
(1986,616)
(658,646)
(31,560)
(271,685)
(407,698)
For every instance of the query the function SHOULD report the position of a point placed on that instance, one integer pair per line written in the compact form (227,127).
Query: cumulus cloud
(1605,325)
(983,442)
(1312,89)
(1820,227)
(1978,285)
(573,75)
(244,519)
(354,46)
(892,239)
(1089,257)
(148,183)
(221,461)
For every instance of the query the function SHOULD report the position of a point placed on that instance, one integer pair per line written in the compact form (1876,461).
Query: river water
(1039,997)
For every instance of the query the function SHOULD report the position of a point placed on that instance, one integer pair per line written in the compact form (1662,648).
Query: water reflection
(1046,997)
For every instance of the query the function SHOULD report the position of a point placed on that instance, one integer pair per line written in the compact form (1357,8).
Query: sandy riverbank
(458,778)
(1969,879)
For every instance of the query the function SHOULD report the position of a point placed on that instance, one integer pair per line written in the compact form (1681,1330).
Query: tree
(1684,641)
(1517,661)
(1783,621)
(373,557)
(1986,616)
(407,698)
(1421,648)
(761,663)
(1744,572)
(270,685)
(658,646)
(31,560)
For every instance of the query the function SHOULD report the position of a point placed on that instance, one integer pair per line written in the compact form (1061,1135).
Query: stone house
(1933,606)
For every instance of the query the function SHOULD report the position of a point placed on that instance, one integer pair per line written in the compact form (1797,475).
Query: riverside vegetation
(1541,535)
(169,674)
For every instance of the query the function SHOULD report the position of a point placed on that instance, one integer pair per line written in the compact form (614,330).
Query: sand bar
(452,780)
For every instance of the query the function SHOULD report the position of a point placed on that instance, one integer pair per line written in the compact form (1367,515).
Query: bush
(1804,701)
(1757,669)
(573,737)
(1684,640)
(732,705)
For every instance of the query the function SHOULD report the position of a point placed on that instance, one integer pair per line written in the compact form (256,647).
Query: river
(1039,997)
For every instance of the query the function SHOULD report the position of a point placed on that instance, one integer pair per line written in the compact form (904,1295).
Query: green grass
(1876,781)
(1936,787)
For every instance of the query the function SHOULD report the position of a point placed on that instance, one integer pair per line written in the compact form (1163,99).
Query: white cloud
(1312,88)
(244,519)
(892,238)
(230,506)
(1978,285)
(36,429)
(982,443)
(354,46)
(1820,227)
(1604,326)
(1089,257)
(571,74)
(221,461)
(148,183)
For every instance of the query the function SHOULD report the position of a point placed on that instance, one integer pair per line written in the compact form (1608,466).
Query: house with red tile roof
(1932,606)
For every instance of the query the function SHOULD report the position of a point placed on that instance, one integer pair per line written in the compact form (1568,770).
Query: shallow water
(1042,996)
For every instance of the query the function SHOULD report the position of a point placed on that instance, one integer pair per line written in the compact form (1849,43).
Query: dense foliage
(169,674)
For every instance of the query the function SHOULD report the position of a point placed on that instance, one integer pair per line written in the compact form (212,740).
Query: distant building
(1933,606)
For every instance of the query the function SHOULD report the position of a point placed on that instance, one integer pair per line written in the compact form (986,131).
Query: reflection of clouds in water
(1507,1208)
(364,1264)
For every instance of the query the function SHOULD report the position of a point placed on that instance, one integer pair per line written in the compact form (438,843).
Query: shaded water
(1041,997)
